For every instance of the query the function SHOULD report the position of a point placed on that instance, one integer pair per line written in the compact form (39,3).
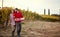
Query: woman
(12,23)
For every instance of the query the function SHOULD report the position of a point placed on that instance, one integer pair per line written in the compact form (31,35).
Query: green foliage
(52,20)
(29,15)
(0,16)
(5,13)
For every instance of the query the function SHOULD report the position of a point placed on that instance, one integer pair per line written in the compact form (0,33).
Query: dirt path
(35,29)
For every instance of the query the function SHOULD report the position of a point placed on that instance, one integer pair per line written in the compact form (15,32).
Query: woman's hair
(12,11)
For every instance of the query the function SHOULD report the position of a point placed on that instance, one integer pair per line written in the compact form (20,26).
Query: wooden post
(2,3)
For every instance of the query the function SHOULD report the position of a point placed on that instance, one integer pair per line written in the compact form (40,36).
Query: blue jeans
(18,26)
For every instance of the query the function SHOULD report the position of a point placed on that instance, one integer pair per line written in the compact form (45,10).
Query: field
(52,17)
(35,29)
(36,26)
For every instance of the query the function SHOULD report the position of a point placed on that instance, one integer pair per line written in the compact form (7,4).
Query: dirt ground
(35,29)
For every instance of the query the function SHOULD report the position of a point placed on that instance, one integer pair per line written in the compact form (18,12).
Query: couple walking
(15,19)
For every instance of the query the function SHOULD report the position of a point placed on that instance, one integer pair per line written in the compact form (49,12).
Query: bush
(55,15)
(52,20)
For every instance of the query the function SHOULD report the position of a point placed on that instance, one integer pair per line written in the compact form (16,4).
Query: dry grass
(52,17)
(37,29)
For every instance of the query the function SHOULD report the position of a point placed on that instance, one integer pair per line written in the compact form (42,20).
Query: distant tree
(5,14)
(29,15)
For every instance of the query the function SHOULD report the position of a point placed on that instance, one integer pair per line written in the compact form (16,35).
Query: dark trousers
(18,26)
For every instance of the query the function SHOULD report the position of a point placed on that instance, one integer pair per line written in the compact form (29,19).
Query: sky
(34,5)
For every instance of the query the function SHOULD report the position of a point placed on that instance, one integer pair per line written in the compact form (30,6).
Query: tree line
(29,15)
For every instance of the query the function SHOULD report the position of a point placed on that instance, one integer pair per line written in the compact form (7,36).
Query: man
(18,19)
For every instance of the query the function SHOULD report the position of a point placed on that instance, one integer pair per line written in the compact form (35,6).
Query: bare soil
(35,29)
